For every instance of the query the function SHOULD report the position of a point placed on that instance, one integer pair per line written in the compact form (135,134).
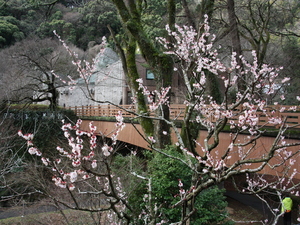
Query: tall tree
(235,38)
(96,15)
(160,63)
(133,15)
(9,31)
(251,26)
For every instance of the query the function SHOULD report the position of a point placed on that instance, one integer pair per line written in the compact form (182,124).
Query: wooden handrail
(177,112)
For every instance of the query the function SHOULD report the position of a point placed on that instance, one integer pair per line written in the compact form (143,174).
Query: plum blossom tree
(10,160)
(85,169)
(88,171)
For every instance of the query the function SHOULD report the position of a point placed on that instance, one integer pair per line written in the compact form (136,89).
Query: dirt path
(26,209)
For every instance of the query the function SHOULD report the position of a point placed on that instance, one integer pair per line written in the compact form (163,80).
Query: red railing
(177,112)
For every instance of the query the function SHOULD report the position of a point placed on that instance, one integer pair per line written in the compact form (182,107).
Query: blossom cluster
(161,97)
(84,68)
(191,48)
(119,126)
(77,154)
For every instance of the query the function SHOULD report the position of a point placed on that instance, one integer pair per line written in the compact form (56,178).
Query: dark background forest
(269,27)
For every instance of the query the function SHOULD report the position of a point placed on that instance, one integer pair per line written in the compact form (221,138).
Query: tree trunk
(235,39)
(131,75)
(212,84)
(161,64)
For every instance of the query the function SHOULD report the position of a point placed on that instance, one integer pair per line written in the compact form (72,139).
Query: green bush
(165,173)
(211,207)
(210,204)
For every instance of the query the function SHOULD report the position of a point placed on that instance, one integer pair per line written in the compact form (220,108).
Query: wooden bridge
(177,112)
(130,134)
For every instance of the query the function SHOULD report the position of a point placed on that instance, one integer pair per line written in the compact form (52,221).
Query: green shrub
(211,207)
(165,173)
(210,203)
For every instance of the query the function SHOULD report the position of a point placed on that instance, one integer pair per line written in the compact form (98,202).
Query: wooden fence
(177,112)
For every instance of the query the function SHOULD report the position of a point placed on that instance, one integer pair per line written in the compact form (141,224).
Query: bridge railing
(177,112)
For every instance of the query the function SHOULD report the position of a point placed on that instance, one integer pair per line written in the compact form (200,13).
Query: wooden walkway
(177,112)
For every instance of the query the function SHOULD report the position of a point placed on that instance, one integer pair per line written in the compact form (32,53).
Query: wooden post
(90,110)
(277,114)
(99,110)
(108,110)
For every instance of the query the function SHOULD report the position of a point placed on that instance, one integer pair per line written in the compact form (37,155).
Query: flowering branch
(82,162)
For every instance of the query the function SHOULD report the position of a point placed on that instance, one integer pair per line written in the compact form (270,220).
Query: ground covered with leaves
(31,215)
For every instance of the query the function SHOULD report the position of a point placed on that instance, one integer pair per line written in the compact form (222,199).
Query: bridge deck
(130,135)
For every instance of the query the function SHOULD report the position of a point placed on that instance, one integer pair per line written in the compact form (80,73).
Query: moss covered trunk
(133,75)
(161,64)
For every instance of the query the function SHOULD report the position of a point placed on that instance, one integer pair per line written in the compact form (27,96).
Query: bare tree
(27,71)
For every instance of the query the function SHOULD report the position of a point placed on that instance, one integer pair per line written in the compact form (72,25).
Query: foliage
(166,173)
(153,17)
(211,208)
(9,31)
(18,20)
(27,18)
(96,16)
(61,26)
